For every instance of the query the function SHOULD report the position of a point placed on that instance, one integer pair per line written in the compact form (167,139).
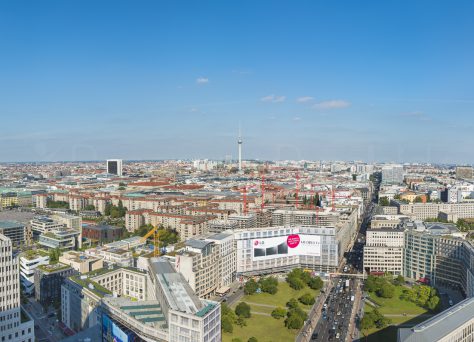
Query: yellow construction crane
(156,240)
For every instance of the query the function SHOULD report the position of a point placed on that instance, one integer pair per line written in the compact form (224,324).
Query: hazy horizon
(372,81)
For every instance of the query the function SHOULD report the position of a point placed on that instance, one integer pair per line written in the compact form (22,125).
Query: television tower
(239,142)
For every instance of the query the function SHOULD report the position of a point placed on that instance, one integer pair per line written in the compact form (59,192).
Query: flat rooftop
(10,224)
(440,325)
(178,293)
(147,312)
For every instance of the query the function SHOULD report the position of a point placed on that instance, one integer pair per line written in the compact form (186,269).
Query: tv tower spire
(239,142)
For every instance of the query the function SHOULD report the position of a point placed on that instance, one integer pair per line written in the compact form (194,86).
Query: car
(337,336)
(52,314)
(314,336)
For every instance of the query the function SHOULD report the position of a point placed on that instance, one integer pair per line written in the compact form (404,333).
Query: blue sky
(367,80)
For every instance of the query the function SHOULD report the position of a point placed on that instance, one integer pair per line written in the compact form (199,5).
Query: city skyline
(315,81)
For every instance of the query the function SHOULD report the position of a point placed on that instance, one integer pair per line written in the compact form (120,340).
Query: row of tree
(374,319)
(465,225)
(380,286)
(298,279)
(295,316)
(422,295)
(238,316)
(267,285)
(115,211)
(165,236)
(57,204)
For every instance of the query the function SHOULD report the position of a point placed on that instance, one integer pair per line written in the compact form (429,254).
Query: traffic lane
(337,317)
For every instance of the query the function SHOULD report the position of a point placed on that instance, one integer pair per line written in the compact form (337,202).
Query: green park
(271,310)
(391,304)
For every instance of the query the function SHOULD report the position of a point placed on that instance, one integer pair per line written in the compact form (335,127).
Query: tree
(278,313)
(295,283)
(399,280)
(433,303)
(293,322)
(315,283)
(374,319)
(240,321)
(252,339)
(250,287)
(226,323)
(384,202)
(387,290)
(242,310)
(268,285)
(292,304)
(89,207)
(367,322)
(418,199)
(307,299)
(108,208)
(54,255)
(370,284)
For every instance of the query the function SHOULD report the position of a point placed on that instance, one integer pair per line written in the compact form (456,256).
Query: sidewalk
(355,309)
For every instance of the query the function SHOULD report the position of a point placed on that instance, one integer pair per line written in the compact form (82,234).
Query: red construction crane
(262,206)
(297,191)
(244,190)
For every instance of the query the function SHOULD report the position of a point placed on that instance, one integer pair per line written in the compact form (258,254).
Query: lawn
(284,294)
(264,328)
(395,305)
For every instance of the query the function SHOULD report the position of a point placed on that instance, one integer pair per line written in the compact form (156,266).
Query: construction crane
(297,190)
(156,240)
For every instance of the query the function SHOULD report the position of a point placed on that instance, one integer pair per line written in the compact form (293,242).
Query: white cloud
(202,80)
(332,104)
(304,99)
(193,110)
(296,118)
(273,98)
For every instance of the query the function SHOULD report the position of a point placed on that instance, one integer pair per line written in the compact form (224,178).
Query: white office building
(29,261)
(392,174)
(383,251)
(15,326)
(280,249)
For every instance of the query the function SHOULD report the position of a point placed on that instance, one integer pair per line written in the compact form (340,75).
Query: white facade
(250,262)
(11,327)
(392,174)
(27,270)
(383,251)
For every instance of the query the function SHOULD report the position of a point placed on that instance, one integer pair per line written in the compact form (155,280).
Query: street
(46,327)
(340,312)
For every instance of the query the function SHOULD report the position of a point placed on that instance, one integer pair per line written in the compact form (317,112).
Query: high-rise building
(392,174)
(15,325)
(16,231)
(114,167)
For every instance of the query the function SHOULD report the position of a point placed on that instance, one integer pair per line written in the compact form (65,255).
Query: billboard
(281,246)
(111,332)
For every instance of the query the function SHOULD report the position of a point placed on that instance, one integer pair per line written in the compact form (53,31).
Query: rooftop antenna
(239,142)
